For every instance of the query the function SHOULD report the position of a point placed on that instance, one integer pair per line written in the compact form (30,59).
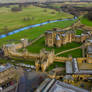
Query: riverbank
(34,32)
(30,15)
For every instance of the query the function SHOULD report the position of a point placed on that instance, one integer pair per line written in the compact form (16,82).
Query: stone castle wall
(44,58)
(60,37)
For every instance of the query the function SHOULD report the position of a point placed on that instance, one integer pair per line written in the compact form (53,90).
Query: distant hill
(22,1)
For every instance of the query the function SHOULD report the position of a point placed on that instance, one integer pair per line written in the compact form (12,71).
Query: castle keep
(58,37)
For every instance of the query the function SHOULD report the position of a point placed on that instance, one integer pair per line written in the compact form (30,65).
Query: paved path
(67,50)
(36,39)
(30,81)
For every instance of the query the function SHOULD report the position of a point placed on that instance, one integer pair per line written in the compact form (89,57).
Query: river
(32,26)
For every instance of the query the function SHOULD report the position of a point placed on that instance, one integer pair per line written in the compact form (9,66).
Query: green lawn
(86,21)
(37,46)
(79,32)
(55,64)
(14,20)
(17,60)
(75,53)
(4,61)
(34,32)
(85,5)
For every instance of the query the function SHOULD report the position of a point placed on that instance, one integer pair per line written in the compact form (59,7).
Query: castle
(76,68)
(58,37)
(55,37)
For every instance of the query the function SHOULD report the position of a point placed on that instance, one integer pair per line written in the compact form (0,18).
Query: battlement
(58,37)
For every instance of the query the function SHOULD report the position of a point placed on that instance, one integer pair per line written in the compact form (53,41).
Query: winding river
(32,26)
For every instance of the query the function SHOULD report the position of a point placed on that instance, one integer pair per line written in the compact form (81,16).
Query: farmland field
(13,20)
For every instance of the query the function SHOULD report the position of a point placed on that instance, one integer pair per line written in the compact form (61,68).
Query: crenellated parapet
(62,59)
(58,37)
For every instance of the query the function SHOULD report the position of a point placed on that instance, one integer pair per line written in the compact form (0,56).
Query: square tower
(49,38)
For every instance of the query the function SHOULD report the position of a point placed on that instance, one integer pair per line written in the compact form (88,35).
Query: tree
(89,15)
(5,28)
(16,9)
(26,19)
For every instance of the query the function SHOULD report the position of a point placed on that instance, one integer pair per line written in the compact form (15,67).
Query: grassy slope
(31,62)
(35,48)
(34,32)
(79,32)
(55,64)
(85,21)
(75,53)
(14,20)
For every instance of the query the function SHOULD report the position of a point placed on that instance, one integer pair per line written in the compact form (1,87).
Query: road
(30,81)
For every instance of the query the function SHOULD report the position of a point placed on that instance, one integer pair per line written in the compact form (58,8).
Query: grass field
(85,21)
(17,60)
(36,47)
(55,64)
(77,4)
(75,53)
(79,32)
(34,32)
(15,20)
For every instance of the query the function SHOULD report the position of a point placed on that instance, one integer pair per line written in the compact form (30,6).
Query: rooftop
(63,87)
(49,32)
(58,37)
(85,66)
(69,67)
(5,67)
(58,86)
(89,49)
(78,68)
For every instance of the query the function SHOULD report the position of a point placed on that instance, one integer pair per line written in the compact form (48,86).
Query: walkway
(62,52)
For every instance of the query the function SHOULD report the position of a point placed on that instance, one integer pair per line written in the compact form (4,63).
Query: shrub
(5,28)
(16,9)
(26,19)
(45,10)
(53,12)
(89,15)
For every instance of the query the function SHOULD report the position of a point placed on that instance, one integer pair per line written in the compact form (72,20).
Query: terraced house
(8,78)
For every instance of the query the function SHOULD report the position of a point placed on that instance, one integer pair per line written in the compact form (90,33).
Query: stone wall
(60,37)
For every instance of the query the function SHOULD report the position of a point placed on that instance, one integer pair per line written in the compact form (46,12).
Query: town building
(52,85)
(8,78)
(77,69)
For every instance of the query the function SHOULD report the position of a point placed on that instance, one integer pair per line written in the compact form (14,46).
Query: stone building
(8,78)
(46,59)
(58,37)
(78,69)
(13,47)
(87,50)
(52,85)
